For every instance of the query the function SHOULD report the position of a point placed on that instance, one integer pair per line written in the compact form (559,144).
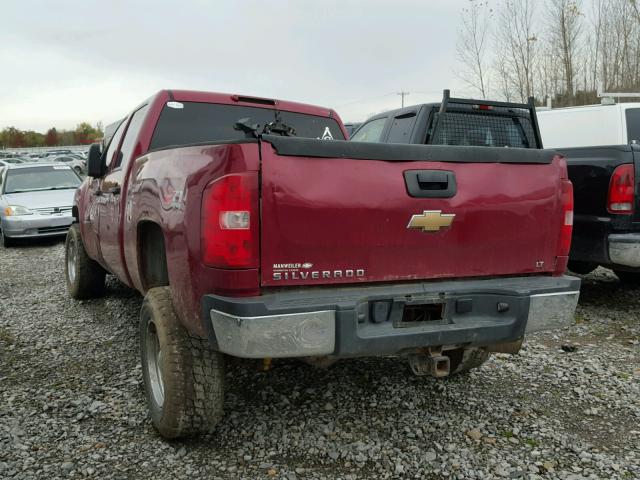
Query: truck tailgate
(331,214)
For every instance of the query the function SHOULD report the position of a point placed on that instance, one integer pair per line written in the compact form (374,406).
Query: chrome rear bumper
(345,322)
(624,249)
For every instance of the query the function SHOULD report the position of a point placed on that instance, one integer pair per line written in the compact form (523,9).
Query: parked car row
(77,160)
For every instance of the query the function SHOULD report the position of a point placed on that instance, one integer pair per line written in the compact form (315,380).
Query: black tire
(7,242)
(85,277)
(581,268)
(78,170)
(183,377)
(465,360)
(629,278)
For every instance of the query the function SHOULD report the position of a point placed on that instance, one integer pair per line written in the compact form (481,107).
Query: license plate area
(428,311)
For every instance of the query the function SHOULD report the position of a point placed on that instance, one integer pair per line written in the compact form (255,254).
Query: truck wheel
(465,360)
(85,277)
(630,278)
(6,241)
(183,378)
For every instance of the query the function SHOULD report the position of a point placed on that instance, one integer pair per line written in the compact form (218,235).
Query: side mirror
(95,163)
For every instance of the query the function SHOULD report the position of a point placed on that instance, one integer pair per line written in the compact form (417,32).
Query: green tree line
(83,134)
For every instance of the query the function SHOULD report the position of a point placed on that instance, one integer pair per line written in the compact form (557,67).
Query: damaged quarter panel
(166,189)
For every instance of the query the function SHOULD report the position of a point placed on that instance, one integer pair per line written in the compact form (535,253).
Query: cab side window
(130,137)
(401,128)
(113,144)
(370,132)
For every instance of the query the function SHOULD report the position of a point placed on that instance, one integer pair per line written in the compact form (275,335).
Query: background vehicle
(11,161)
(590,125)
(251,241)
(601,144)
(78,165)
(455,121)
(35,201)
(351,127)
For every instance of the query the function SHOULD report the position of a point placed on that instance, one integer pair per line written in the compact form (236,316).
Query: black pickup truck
(605,179)
(607,209)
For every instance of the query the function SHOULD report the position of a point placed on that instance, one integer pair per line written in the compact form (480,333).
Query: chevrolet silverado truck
(602,146)
(253,230)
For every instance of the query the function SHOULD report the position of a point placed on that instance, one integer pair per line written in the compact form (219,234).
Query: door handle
(434,180)
(430,183)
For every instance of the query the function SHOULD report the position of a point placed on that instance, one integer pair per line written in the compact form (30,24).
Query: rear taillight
(230,222)
(566,228)
(621,190)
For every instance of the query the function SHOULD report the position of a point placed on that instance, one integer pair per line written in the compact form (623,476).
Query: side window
(370,132)
(113,144)
(633,125)
(131,136)
(401,127)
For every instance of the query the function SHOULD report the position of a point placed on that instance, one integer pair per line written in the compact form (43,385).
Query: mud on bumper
(388,319)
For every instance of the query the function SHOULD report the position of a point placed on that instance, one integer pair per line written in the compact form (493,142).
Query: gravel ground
(72,406)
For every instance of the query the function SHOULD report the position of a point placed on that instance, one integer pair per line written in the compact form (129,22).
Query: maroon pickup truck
(254,231)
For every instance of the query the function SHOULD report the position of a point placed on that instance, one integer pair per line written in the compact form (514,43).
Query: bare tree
(515,42)
(620,47)
(564,26)
(472,44)
(564,54)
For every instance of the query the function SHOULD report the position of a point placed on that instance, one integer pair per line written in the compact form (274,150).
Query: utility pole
(403,94)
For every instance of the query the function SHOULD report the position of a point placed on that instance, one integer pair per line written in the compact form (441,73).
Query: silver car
(77,164)
(36,200)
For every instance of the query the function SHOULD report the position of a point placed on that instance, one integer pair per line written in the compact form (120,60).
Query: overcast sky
(64,62)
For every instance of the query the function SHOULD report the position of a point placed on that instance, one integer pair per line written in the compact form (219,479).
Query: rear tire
(465,360)
(85,277)
(629,278)
(183,378)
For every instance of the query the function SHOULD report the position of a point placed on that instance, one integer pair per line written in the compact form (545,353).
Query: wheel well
(152,256)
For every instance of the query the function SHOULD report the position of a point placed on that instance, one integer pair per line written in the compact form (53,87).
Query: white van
(590,126)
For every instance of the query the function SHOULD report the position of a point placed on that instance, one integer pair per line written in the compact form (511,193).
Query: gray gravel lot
(72,406)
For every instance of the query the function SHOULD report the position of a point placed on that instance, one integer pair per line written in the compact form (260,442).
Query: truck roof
(238,99)
(398,111)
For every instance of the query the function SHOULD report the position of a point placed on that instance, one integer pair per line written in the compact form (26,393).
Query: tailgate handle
(430,183)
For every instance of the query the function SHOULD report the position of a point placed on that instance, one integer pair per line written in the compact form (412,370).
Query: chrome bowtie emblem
(431,220)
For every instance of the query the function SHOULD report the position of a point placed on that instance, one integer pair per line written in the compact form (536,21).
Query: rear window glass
(633,125)
(194,122)
(40,178)
(483,129)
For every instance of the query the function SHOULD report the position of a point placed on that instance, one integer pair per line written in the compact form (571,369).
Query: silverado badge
(431,220)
